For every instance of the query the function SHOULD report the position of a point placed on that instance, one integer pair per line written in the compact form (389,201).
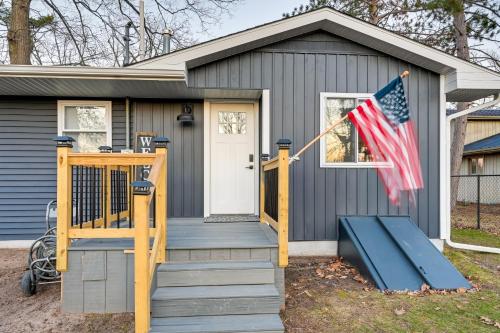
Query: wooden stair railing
(274,184)
(96,194)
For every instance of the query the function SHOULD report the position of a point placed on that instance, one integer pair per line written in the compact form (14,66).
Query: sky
(250,13)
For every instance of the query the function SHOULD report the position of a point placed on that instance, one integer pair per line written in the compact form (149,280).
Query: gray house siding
(28,162)
(296,72)
(185,154)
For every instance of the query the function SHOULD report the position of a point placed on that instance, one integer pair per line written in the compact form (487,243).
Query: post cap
(284,143)
(141,187)
(64,141)
(264,157)
(105,149)
(161,142)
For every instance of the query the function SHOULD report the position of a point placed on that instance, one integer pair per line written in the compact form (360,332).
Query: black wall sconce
(186,117)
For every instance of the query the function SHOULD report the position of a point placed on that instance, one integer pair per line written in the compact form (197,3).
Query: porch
(118,253)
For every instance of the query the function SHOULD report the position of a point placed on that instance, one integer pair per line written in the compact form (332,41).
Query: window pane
(340,142)
(88,142)
(363,153)
(85,118)
(232,122)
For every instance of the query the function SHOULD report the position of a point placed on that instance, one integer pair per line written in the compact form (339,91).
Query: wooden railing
(274,181)
(98,197)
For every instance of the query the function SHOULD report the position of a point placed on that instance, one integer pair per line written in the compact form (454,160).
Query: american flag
(384,124)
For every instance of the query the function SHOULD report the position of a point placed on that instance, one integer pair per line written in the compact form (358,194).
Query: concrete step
(215,273)
(215,300)
(263,323)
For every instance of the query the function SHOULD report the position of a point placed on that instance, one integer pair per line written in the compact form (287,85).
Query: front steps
(216,296)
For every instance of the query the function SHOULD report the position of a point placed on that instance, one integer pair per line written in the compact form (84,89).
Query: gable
(319,41)
(464,81)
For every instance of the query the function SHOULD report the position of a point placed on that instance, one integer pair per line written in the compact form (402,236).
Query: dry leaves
(399,312)
(488,321)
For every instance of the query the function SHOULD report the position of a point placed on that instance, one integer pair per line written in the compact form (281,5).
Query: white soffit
(460,74)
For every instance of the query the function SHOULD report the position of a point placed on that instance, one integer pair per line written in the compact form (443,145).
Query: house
(481,157)
(245,92)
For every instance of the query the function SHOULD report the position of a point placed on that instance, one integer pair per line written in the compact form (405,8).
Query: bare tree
(90,32)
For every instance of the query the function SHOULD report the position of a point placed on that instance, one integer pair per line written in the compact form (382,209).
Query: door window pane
(340,142)
(232,122)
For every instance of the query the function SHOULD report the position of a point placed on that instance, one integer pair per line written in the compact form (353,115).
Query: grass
(474,236)
(349,306)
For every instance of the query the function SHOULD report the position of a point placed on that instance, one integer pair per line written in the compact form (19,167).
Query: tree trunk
(460,124)
(373,10)
(19,35)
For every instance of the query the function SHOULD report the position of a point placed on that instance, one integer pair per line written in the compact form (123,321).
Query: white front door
(232,160)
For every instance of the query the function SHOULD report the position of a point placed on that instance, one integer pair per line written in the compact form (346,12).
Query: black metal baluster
(118,199)
(105,196)
(80,208)
(92,196)
(154,209)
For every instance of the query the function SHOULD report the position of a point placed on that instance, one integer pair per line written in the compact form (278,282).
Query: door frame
(207,108)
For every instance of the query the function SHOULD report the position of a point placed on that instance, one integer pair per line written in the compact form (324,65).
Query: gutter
(447,239)
(115,73)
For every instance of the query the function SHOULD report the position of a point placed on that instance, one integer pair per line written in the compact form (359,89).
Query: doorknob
(249,167)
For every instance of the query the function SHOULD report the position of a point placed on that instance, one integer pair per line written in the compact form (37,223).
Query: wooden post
(141,255)
(283,181)
(262,204)
(106,186)
(161,196)
(64,204)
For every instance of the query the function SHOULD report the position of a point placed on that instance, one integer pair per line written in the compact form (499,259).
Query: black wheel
(27,284)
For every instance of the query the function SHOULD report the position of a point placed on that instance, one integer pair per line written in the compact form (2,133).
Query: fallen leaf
(320,273)
(487,320)
(424,287)
(343,277)
(307,293)
(329,277)
(399,312)
(461,290)
(359,278)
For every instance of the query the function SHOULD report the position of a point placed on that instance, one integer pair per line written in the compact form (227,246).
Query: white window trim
(323,163)
(107,105)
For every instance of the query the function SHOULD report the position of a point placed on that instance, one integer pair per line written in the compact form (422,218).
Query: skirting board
(16,244)
(329,248)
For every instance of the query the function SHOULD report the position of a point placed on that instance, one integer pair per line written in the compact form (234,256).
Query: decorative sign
(144,144)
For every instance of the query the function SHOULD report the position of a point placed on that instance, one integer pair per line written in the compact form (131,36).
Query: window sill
(366,165)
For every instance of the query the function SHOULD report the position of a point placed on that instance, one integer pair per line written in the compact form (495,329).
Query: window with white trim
(88,122)
(342,147)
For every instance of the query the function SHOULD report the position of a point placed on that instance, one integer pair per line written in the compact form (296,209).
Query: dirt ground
(41,312)
(464,216)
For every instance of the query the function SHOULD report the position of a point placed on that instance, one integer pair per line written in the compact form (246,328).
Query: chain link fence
(478,203)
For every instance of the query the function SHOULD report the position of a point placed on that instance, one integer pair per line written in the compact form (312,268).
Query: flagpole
(332,126)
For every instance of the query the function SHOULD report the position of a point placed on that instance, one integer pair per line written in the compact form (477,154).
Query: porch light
(186,117)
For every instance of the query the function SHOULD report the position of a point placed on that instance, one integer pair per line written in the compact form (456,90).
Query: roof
(490,144)
(464,80)
(485,113)
(72,81)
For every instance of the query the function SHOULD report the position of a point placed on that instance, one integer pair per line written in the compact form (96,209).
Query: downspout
(127,123)
(449,118)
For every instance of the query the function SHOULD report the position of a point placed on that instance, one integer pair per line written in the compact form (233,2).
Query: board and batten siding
(28,162)
(185,152)
(296,71)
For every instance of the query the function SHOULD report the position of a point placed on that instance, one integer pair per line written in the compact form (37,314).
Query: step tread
(230,291)
(226,323)
(214,265)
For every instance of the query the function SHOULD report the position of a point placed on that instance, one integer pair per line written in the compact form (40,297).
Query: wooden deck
(193,233)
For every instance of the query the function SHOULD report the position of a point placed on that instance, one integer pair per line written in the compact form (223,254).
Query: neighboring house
(285,79)
(481,157)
